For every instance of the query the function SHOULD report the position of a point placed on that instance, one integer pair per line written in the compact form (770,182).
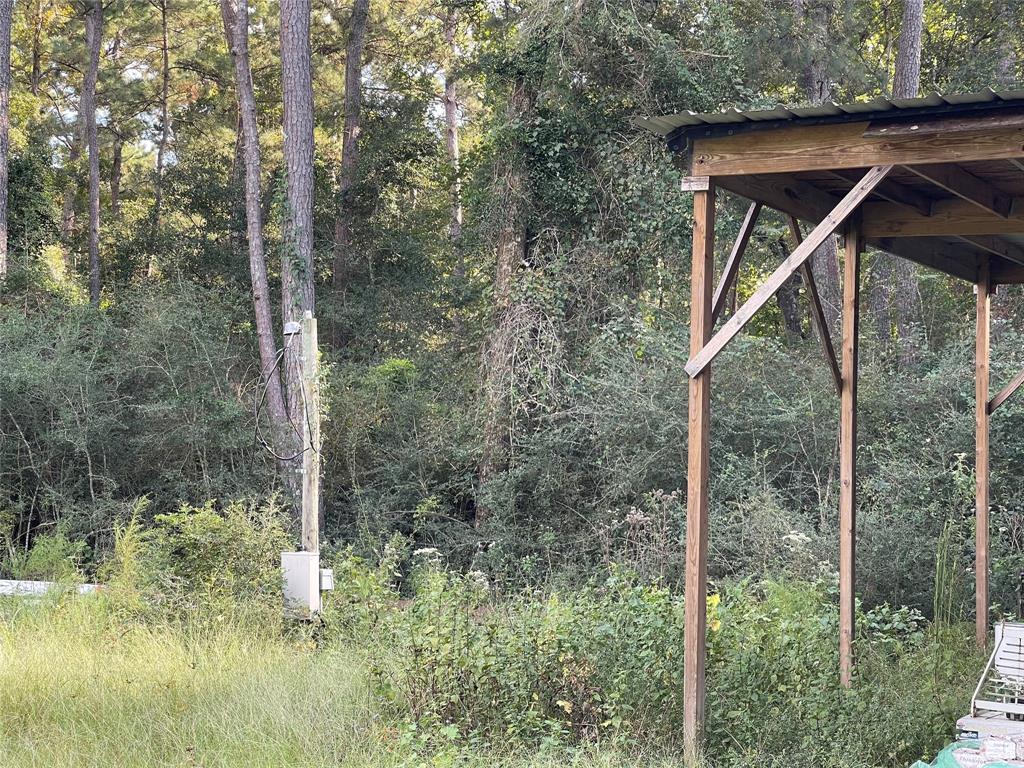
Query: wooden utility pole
(310,435)
(698,455)
(848,453)
(981,416)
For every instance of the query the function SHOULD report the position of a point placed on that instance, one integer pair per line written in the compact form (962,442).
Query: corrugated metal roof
(670,123)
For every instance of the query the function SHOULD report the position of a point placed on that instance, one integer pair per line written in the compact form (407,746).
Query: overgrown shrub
(204,562)
(152,397)
(604,664)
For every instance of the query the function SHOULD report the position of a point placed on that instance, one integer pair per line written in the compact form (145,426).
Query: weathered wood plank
(763,294)
(844,145)
(697,476)
(966,186)
(817,313)
(1006,392)
(732,264)
(958,124)
(950,217)
(981,453)
(783,193)
(932,253)
(894,192)
(310,435)
(996,246)
(1006,273)
(848,454)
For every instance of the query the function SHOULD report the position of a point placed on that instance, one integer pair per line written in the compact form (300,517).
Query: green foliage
(604,665)
(153,398)
(215,560)
(535,668)
(52,557)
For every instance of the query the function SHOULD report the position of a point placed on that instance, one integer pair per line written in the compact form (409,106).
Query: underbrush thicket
(154,397)
(185,657)
(559,624)
(603,664)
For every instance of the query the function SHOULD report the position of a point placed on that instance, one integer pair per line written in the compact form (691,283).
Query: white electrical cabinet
(301,584)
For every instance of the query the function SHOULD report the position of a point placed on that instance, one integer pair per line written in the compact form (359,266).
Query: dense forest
(499,262)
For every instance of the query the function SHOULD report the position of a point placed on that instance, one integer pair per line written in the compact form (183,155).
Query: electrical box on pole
(303,577)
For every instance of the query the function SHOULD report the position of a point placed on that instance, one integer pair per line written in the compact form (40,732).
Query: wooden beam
(895,192)
(763,294)
(732,264)
(1006,273)
(805,201)
(958,124)
(981,455)
(848,454)
(817,313)
(966,186)
(790,195)
(797,148)
(997,246)
(952,260)
(949,218)
(697,476)
(1006,392)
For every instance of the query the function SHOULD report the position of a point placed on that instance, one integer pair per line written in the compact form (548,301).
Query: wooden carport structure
(938,180)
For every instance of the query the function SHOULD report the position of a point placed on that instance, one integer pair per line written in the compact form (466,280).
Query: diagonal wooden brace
(803,252)
(817,313)
(1006,392)
(732,264)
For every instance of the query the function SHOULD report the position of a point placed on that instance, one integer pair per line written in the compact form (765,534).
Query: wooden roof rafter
(966,186)
(803,200)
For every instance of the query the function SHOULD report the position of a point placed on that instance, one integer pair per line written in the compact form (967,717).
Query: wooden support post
(981,414)
(695,639)
(310,436)
(848,453)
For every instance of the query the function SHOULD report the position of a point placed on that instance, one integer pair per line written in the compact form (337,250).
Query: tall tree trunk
(901,273)
(36,76)
(236,29)
(115,175)
(788,298)
(1006,25)
(165,87)
(67,218)
(497,358)
(880,297)
(349,171)
(6,13)
(94,32)
(237,180)
(297,258)
(451,121)
(906,79)
(814,20)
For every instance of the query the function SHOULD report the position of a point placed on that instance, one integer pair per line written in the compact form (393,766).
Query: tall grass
(82,688)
